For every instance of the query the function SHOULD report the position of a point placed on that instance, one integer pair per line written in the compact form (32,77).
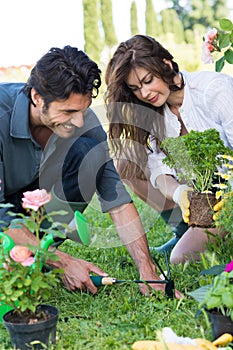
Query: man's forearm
(22,236)
(132,234)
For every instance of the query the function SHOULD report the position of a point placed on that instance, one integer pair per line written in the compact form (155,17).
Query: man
(51,139)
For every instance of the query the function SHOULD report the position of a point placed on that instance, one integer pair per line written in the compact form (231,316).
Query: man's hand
(145,290)
(180,197)
(77,272)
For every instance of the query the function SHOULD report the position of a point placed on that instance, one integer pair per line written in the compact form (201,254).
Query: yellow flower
(218,194)
(225,156)
(225,176)
(227,165)
(221,186)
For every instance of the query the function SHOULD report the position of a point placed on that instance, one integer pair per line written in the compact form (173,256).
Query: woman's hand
(180,197)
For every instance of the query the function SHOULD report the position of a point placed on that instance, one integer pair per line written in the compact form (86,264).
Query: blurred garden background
(97,26)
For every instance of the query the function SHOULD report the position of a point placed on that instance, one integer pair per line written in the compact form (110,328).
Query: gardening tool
(79,229)
(99,281)
(173,218)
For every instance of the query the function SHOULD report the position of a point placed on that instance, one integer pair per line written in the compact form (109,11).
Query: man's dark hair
(61,72)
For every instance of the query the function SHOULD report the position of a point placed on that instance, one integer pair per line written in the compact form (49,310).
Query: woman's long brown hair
(132,121)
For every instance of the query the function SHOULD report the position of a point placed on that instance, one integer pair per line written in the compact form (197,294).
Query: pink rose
(210,47)
(211,35)
(29,261)
(35,199)
(229,267)
(206,55)
(20,254)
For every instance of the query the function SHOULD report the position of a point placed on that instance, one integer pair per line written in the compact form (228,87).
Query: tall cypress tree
(153,26)
(134,19)
(107,22)
(93,41)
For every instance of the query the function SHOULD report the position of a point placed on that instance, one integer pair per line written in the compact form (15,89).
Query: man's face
(62,117)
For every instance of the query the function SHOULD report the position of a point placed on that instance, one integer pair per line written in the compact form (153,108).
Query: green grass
(119,315)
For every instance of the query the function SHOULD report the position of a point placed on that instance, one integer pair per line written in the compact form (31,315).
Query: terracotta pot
(201,209)
(23,335)
(220,324)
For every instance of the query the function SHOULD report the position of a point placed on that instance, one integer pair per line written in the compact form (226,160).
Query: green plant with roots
(195,157)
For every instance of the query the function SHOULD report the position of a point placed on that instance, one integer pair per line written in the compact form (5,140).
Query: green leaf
(224,41)
(227,299)
(229,56)
(200,293)
(214,301)
(219,64)
(214,270)
(226,24)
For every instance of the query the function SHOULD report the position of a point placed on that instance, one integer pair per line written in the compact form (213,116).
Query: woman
(148,99)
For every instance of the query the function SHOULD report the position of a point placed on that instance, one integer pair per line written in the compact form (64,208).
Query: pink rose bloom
(20,253)
(210,35)
(29,261)
(35,199)
(229,267)
(210,47)
(206,55)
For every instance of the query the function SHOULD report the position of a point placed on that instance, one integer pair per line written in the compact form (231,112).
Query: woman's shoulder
(204,76)
(203,80)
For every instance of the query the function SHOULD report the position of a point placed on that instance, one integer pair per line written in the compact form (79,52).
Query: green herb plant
(195,157)
(219,294)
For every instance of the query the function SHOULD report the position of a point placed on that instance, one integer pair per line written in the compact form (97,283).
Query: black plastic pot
(220,324)
(23,335)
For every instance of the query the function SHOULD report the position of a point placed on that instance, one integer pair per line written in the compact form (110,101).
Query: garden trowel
(78,229)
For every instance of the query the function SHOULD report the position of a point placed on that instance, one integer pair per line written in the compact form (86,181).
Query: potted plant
(195,156)
(217,299)
(25,285)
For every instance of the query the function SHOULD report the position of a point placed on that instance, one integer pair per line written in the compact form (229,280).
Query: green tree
(203,12)
(133,19)
(172,24)
(153,26)
(220,11)
(107,22)
(179,31)
(93,41)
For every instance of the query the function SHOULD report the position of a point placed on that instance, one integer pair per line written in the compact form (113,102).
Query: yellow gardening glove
(201,344)
(180,197)
(216,208)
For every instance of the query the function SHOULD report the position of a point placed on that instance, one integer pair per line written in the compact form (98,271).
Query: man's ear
(36,98)
(168,62)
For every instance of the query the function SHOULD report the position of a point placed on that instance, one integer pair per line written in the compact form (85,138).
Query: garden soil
(201,209)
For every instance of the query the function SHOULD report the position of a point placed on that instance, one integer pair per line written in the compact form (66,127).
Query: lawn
(119,315)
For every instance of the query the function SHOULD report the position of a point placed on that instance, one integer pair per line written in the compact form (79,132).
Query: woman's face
(147,87)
